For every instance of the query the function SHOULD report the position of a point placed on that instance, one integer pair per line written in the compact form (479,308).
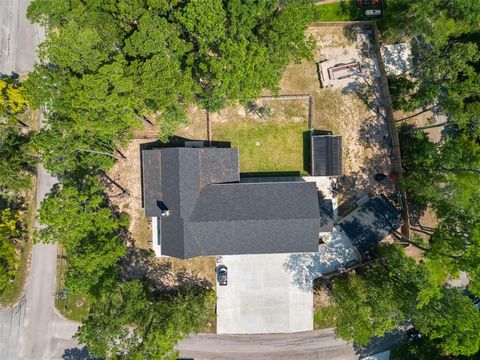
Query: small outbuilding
(326,154)
(371,223)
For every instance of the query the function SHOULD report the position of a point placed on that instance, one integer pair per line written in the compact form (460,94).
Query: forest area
(109,66)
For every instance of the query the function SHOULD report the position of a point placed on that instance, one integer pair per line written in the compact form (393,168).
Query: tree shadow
(372,133)
(13,76)
(332,257)
(381,344)
(78,354)
(351,8)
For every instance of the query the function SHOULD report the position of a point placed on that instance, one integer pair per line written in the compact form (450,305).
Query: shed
(371,223)
(326,155)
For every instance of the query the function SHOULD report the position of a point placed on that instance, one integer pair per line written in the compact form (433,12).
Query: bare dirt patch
(127,174)
(350,107)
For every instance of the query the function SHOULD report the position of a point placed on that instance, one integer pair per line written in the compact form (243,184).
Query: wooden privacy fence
(396,154)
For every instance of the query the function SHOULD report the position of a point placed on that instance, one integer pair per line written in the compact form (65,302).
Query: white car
(373,12)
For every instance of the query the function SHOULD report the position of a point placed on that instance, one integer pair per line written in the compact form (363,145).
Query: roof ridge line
(251,220)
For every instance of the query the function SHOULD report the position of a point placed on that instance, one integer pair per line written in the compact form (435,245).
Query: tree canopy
(16,160)
(446,178)
(9,233)
(385,294)
(129,322)
(79,217)
(445,40)
(105,65)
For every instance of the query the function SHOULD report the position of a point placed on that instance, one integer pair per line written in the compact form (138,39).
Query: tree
(105,65)
(16,160)
(78,216)
(9,233)
(445,73)
(444,177)
(129,322)
(395,289)
(12,100)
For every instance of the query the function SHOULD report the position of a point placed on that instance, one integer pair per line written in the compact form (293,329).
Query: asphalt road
(11,321)
(18,38)
(45,334)
(32,330)
(319,345)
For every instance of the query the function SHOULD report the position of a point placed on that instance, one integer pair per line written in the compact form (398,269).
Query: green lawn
(73,306)
(340,11)
(265,145)
(343,11)
(325,317)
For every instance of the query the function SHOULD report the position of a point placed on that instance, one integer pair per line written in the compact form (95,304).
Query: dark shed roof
(371,223)
(326,155)
(212,213)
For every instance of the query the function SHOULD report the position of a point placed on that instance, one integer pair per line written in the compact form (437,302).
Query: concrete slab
(304,268)
(261,298)
(397,58)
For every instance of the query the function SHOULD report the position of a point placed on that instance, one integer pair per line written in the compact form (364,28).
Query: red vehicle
(369,2)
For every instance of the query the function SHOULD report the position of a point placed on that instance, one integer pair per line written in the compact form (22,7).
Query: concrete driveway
(261,298)
(273,293)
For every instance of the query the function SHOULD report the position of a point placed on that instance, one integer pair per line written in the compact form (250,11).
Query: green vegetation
(71,305)
(442,177)
(16,160)
(445,177)
(78,216)
(9,232)
(106,66)
(445,43)
(16,190)
(380,296)
(74,306)
(423,349)
(160,321)
(114,64)
(325,317)
(14,289)
(338,11)
(265,145)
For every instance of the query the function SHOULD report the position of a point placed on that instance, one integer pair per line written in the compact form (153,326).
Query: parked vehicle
(222,275)
(373,12)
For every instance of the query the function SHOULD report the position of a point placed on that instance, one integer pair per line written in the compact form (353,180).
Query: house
(371,223)
(199,206)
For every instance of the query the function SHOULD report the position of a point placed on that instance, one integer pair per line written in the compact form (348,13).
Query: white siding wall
(157,247)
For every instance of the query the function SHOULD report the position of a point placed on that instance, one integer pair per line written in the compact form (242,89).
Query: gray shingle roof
(212,213)
(326,215)
(326,155)
(371,223)
(256,201)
